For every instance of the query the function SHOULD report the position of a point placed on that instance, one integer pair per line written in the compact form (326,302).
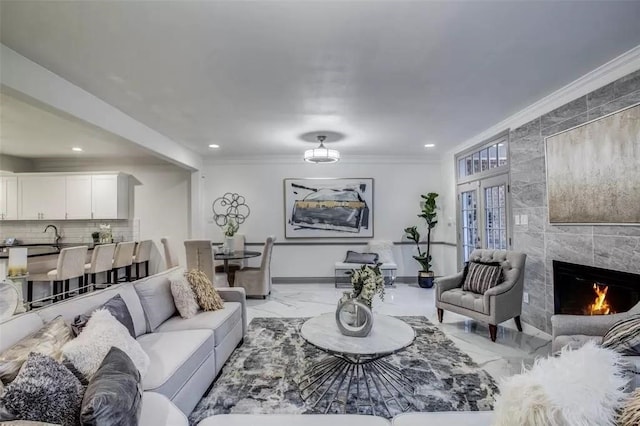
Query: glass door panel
(483,207)
(468,233)
(495,213)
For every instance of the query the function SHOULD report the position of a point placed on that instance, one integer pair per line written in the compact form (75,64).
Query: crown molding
(297,160)
(611,71)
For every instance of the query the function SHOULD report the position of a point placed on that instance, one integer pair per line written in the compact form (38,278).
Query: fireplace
(585,290)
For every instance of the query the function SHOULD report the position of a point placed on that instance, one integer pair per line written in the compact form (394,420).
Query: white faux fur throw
(582,387)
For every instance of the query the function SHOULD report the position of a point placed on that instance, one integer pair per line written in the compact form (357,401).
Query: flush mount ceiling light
(430,145)
(321,154)
(76,149)
(214,146)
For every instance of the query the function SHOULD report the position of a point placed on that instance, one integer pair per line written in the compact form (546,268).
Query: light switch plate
(517,219)
(524,219)
(525,297)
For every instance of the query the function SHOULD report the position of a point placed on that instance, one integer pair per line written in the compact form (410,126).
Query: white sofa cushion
(445,418)
(156,298)
(15,328)
(157,410)
(174,356)
(221,321)
(293,419)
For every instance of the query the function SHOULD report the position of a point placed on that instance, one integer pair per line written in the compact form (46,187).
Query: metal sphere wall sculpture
(230,206)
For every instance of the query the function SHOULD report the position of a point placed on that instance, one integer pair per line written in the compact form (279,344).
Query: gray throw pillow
(44,391)
(117,307)
(114,394)
(365,258)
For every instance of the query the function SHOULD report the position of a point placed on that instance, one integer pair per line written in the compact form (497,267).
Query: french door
(483,207)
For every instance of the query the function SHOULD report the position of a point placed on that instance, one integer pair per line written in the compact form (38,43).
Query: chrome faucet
(57,236)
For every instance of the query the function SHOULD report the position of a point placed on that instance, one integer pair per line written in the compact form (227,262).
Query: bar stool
(141,256)
(169,257)
(101,261)
(122,258)
(70,266)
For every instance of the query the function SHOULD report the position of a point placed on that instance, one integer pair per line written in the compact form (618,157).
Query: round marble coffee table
(355,376)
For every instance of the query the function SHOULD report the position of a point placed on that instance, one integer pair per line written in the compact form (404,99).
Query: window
(483,201)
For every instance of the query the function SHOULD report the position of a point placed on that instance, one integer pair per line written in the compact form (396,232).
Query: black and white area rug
(261,376)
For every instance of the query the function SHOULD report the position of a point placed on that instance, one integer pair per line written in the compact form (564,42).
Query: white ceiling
(254,76)
(27,129)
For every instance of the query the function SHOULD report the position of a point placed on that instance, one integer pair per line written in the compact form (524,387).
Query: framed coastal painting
(328,208)
(593,172)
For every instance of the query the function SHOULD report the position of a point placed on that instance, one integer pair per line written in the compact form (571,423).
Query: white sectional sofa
(186,354)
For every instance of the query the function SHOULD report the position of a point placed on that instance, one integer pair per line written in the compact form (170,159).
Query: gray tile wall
(612,247)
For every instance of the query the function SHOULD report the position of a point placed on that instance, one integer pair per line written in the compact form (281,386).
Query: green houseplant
(428,213)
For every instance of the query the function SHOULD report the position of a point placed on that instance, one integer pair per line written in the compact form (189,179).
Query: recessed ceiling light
(430,145)
(76,149)
(214,146)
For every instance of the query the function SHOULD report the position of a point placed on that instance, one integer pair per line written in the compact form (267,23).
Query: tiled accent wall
(72,231)
(612,247)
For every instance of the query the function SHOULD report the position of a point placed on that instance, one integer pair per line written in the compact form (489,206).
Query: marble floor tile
(503,358)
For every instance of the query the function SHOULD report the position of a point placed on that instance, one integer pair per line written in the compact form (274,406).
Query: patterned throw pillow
(481,277)
(183,296)
(48,341)
(630,415)
(114,395)
(46,391)
(103,331)
(208,297)
(365,258)
(624,336)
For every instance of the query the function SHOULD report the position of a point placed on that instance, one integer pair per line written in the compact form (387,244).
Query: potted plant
(425,275)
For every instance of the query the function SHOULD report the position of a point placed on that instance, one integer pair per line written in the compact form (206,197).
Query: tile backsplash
(72,231)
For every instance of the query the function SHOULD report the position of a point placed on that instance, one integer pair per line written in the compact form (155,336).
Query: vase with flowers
(229,229)
(354,316)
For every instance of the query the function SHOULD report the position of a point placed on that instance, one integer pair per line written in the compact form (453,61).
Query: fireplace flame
(600,306)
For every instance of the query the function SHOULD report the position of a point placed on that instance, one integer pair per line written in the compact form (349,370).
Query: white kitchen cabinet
(78,197)
(110,196)
(42,197)
(8,198)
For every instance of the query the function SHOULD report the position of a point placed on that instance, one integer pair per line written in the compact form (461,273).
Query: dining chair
(70,266)
(141,256)
(257,281)
(169,256)
(122,258)
(101,261)
(200,256)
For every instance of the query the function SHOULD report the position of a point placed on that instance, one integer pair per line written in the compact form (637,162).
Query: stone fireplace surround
(605,246)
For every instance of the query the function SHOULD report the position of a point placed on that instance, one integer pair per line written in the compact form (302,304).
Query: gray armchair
(497,304)
(575,330)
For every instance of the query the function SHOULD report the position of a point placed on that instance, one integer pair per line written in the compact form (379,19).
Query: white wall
(161,197)
(397,189)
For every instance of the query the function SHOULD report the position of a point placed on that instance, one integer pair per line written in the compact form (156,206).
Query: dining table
(234,255)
